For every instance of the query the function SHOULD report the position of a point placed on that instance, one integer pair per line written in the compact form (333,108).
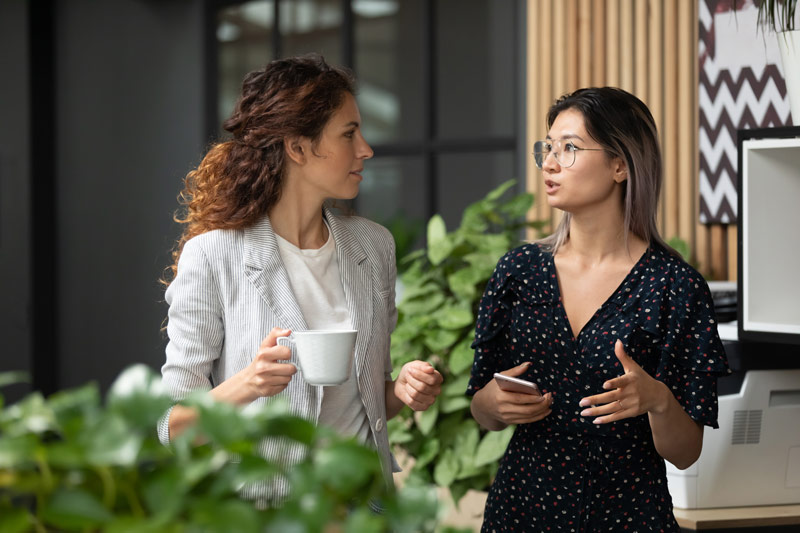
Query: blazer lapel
(355,271)
(265,270)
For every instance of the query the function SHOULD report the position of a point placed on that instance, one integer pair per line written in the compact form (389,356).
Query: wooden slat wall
(647,47)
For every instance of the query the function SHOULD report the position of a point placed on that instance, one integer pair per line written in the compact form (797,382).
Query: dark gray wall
(129,103)
(128,126)
(15,294)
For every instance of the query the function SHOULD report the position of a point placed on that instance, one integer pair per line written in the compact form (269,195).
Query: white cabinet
(769,235)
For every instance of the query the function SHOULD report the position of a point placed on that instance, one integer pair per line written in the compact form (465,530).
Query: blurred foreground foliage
(70,463)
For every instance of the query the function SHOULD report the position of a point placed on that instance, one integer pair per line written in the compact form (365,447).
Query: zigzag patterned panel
(741,86)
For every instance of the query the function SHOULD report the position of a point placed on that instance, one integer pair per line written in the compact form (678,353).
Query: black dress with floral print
(565,473)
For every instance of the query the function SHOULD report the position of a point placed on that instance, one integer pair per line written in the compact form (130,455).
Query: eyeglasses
(564,152)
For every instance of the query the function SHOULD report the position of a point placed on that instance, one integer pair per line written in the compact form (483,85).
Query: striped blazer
(232,288)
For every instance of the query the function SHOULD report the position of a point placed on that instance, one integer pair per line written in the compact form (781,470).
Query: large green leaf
(15,451)
(422,305)
(111,442)
(364,521)
(452,404)
(493,446)
(74,509)
(426,419)
(446,469)
(139,395)
(9,378)
(346,465)
(461,357)
(454,317)
(456,386)
(439,340)
(497,192)
(518,206)
(14,520)
(227,516)
(429,452)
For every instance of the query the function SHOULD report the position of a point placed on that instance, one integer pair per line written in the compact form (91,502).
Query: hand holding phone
(510,384)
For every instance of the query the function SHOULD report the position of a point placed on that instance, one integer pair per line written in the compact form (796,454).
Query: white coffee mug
(325,356)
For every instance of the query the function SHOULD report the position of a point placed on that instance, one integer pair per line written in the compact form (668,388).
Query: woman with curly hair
(261,255)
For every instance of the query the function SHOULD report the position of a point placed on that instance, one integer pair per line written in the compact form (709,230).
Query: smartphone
(516,385)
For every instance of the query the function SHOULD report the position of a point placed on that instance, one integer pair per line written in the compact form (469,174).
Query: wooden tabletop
(738,517)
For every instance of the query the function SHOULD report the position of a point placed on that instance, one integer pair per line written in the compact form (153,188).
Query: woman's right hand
(265,376)
(495,408)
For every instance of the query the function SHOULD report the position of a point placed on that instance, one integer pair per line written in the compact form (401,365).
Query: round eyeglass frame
(540,155)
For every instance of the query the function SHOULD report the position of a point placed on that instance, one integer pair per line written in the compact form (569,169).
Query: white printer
(754,456)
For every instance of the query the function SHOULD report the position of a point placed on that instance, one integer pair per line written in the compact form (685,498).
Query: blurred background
(105,106)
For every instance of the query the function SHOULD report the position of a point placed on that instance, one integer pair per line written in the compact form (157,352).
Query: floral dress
(565,473)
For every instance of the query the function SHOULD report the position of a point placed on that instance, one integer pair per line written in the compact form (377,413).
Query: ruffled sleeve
(692,356)
(494,314)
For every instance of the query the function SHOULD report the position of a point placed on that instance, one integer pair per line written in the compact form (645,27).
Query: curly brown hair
(238,181)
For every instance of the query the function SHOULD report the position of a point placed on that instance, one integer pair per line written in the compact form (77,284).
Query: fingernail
(597,421)
(584,403)
(606,385)
(585,412)
(527,363)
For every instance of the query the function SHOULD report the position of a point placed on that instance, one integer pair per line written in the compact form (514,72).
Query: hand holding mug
(266,375)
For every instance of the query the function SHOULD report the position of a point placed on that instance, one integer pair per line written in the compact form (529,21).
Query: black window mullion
(276,30)
(348,35)
(44,202)
(428,106)
(211,60)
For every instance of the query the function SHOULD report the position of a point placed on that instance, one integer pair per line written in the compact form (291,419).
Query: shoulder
(214,245)
(370,234)
(678,275)
(523,260)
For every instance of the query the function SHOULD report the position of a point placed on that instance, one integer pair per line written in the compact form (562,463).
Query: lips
(357,172)
(551,186)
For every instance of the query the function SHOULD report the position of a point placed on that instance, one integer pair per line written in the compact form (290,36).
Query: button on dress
(565,473)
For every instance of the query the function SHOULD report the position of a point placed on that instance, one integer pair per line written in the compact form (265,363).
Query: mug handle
(289,342)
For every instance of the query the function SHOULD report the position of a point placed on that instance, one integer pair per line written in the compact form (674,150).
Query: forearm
(677,437)
(393,404)
(231,391)
(482,414)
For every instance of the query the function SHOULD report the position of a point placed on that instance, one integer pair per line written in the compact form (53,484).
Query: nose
(364,149)
(550,163)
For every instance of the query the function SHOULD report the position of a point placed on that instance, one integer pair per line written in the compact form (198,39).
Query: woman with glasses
(617,331)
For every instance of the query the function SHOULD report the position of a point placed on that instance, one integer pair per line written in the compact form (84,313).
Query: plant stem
(109,487)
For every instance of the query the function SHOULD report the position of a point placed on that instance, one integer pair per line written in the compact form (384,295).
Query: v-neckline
(556,287)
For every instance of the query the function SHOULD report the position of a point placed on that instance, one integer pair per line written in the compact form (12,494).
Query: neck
(299,221)
(600,236)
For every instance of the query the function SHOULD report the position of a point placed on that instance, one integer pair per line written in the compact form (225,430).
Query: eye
(569,147)
(547,147)
(350,134)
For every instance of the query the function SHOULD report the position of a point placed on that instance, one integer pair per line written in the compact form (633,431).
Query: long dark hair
(623,125)
(239,180)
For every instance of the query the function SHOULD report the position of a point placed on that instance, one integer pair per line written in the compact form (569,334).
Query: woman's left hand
(418,385)
(632,394)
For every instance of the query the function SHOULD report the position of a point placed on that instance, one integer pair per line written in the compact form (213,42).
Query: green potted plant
(70,463)
(442,287)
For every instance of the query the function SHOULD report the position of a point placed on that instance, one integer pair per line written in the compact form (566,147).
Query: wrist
(664,398)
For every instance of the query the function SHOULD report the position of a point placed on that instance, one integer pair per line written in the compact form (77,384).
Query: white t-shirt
(317,286)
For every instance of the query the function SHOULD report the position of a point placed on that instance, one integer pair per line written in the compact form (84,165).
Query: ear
(296,149)
(620,170)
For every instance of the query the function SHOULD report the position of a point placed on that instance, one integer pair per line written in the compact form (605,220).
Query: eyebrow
(568,136)
(352,124)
